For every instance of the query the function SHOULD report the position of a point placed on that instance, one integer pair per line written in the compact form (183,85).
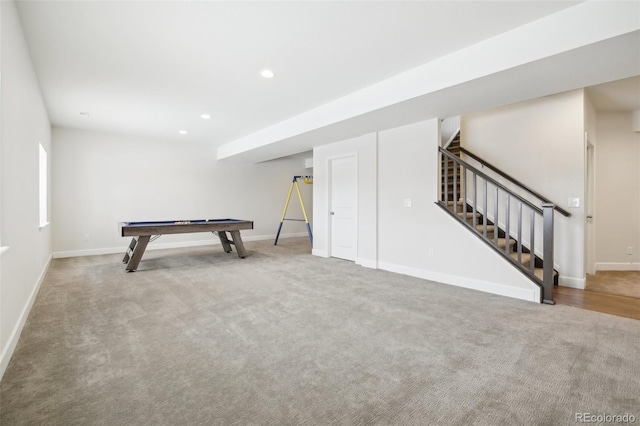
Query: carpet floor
(200,337)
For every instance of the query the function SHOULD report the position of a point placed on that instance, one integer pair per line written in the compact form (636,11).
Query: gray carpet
(200,337)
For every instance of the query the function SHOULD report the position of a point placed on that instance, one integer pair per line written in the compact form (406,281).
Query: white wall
(590,118)
(618,192)
(25,123)
(403,163)
(101,179)
(408,168)
(364,147)
(541,143)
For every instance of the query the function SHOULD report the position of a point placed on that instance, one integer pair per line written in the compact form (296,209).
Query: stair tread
(480,228)
(525,259)
(539,272)
(502,242)
(469,215)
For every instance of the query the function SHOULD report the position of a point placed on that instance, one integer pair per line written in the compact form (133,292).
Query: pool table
(143,231)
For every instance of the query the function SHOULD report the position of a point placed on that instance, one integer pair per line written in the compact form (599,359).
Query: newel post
(547,260)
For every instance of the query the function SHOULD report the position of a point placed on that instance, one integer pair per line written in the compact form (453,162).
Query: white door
(344,208)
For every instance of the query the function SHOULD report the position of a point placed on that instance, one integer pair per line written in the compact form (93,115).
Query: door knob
(332,213)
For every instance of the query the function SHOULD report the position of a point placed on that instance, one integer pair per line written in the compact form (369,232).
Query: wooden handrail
(515,181)
(486,177)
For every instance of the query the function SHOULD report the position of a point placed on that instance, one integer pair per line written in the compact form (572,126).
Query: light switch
(407,202)
(573,202)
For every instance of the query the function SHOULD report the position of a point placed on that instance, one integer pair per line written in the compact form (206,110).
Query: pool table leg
(226,245)
(237,241)
(138,251)
(129,251)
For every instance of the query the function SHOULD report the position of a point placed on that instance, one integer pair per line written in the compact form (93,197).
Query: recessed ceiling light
(205,117)
(267,73)
(182,132)
(84,114)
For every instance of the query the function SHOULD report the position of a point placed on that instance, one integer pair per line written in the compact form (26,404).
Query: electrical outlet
(430,252)
(86,237)
(407,202)
(573,202)
(629,250)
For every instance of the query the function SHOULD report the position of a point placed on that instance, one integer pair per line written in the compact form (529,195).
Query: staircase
(451,171)
(500,217)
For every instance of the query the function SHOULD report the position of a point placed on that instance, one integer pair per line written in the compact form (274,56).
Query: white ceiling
(344,68)
(152,68)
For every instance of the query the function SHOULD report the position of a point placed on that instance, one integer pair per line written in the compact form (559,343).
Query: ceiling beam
(571,49)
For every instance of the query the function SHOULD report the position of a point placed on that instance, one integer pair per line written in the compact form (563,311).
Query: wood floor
(622,283)
(611,292)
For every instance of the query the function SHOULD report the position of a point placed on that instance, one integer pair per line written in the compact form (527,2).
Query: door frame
(590,206)
(330,161)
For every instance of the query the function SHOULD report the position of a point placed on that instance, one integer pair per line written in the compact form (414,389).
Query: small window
(44,219)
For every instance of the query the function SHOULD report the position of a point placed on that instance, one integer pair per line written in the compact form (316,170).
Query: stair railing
(513,180)
(518,217)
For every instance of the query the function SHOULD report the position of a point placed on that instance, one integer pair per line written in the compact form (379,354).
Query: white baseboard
(7,352)
(273,236)
(162,246)
(530,295)
(367,263)
(319,253)
(579,283)
(631,266)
